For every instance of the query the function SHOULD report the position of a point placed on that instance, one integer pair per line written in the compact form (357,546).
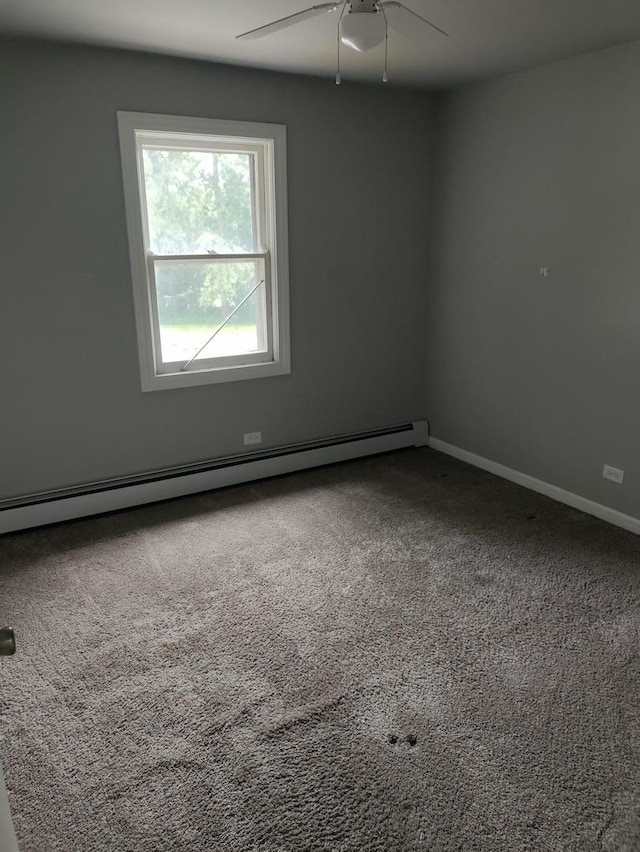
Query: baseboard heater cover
(110,495)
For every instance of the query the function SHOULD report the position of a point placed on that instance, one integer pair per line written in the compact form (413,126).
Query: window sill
(193,378)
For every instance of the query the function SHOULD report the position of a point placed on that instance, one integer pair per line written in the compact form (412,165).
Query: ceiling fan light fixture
(362,30)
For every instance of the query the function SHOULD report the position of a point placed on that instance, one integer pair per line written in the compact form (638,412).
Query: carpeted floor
(400,653)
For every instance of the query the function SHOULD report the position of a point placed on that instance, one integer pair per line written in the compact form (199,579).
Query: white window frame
(268,143)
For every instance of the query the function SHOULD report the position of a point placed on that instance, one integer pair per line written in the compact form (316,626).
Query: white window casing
(265,148)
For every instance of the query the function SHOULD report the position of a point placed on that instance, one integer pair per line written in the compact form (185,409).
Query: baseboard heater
(95,498)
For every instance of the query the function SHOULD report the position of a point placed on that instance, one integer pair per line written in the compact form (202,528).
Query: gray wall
(541,168)
(535,169)
(359,175)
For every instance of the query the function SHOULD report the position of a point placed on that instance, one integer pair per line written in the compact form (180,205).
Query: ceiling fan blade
(281,23)
(392,4)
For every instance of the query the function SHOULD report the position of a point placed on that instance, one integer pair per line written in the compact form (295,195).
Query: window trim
(133,128)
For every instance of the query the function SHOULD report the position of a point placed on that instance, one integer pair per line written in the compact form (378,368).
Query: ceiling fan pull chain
(342,11)
(385,76)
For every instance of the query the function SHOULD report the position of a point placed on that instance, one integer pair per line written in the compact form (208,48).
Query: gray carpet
(399,653)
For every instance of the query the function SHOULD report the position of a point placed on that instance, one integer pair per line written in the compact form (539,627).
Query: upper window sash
(260,152)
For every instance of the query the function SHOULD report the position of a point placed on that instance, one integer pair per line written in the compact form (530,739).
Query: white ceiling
(486,37)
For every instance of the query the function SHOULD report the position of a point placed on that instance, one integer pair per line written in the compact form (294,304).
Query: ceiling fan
(362,24)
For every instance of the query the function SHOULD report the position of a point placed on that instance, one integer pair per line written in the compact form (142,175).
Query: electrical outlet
(613,473)
(252,438)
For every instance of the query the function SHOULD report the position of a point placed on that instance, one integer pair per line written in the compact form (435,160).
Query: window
(206,216)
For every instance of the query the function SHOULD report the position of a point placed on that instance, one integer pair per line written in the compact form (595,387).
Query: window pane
(195,298)
(199,201)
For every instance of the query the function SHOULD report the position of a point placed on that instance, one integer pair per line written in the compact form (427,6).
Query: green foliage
(200,202)
(227,283)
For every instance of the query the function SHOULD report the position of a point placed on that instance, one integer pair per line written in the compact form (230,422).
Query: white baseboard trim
(612,516)
(110,495)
